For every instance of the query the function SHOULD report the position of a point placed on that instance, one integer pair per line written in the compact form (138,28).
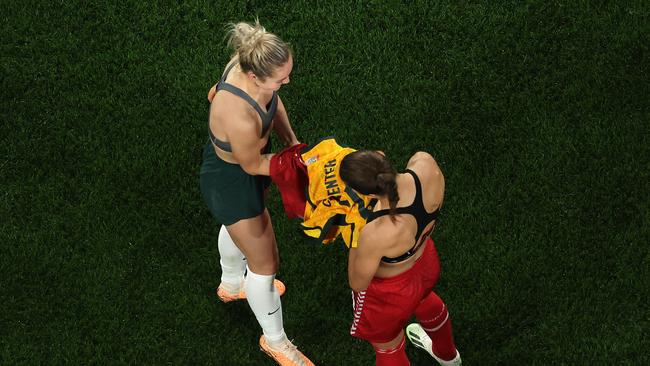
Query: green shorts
(230,192)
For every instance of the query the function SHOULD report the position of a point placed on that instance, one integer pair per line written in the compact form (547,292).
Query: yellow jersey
(332,208)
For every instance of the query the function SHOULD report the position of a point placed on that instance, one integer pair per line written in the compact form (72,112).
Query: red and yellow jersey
(332,208)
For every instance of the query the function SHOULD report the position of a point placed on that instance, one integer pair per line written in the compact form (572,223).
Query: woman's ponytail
(387,185)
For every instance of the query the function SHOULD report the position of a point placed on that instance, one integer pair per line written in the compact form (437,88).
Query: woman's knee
(265,269)
(395,342)
(255,238)
(431,309)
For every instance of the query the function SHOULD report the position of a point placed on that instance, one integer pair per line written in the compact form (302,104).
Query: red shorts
(384,308)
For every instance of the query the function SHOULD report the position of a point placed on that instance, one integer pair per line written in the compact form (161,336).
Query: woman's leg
(391,353)
(233,263)
(256,240)
(433,316)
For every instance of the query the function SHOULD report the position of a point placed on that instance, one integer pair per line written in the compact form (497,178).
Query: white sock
(264,300)
(233,262)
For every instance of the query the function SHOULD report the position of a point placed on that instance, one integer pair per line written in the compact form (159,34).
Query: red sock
(392,357)
(434,318)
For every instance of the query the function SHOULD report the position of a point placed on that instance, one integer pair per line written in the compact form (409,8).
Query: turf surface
(537,112)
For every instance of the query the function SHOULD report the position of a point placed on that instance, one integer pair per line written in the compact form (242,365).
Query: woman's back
(232,107)
(400,239)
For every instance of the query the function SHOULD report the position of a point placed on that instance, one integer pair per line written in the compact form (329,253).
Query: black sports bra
(266,117)
(422,217)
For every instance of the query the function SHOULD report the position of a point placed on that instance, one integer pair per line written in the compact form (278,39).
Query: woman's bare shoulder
(424,164)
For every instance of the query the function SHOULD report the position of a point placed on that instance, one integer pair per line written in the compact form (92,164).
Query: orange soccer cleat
(286,355)
(226,296)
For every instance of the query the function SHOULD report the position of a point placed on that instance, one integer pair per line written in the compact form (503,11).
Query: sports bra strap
(266,117)
(418,211)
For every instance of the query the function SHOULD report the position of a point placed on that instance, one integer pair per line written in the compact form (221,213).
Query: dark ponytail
(387,185)
(369,172)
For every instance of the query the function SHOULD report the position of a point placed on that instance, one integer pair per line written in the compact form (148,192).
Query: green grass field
(538,113)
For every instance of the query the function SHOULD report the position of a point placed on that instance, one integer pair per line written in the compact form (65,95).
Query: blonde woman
(245,107)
